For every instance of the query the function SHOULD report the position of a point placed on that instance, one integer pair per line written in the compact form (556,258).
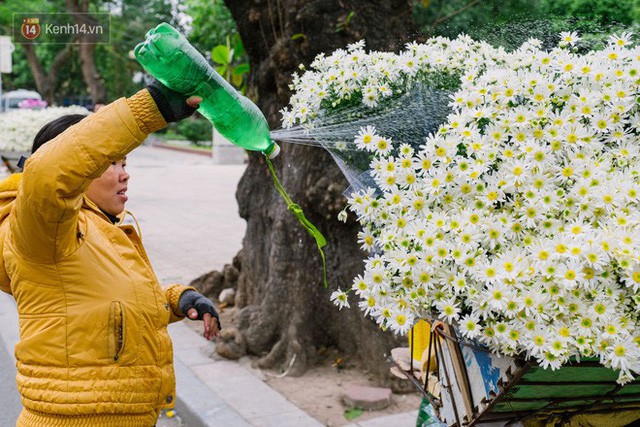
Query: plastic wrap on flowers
(517,220)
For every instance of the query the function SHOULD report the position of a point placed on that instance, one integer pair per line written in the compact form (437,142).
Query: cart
(470,386)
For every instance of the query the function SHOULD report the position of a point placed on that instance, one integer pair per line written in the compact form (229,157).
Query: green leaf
(298,36)
(344,24)
(241,69)
(238,48)
(221,69)
(346,21)
(236,80)
(220,54)
(352,413)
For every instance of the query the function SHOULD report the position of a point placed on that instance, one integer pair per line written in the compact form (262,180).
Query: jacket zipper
(117,333)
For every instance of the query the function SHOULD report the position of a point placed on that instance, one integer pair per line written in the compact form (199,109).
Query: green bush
(198,131)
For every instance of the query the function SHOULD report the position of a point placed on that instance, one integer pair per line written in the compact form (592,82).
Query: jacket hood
(8,191)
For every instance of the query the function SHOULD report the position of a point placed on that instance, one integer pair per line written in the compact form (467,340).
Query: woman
(94,348)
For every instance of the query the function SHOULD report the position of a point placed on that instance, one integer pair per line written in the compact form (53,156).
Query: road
(10,405)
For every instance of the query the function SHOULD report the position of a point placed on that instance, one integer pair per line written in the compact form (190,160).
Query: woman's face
(109,191)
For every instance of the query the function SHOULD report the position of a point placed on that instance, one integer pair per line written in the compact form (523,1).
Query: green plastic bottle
(169,57)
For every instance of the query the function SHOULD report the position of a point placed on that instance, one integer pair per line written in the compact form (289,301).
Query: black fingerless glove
(192,299)
(172,105)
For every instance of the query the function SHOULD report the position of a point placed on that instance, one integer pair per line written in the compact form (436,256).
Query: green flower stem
(297,211)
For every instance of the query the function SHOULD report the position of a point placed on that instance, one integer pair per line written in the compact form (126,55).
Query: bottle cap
(275,150)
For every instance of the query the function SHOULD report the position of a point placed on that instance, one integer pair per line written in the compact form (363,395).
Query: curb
(197,406)
(212,391)
(196,403)
(10,405)
(182,149)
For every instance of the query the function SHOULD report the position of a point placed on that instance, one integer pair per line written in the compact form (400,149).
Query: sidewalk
(186,208)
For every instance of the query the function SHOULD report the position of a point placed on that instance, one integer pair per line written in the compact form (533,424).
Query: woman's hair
(55,128)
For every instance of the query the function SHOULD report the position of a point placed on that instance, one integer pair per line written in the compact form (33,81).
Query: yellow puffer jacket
(94,348)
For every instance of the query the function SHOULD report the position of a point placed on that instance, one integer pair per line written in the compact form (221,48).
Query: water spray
(408,118)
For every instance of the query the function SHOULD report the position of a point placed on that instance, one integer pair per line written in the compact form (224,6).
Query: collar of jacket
(89,204)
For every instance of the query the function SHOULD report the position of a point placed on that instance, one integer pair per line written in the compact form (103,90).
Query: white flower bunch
(18,127)
(353,76)
(518,221)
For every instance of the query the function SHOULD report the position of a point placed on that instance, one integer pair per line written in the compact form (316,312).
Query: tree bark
(46,80)
(286,314)
(87,49)
(92,76)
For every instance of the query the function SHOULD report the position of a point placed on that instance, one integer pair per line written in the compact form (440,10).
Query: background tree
(286,315)
(105,71)
(509,23)
(130,21)
(209,24)
(44,60)
(498,22)
(59,73)
(87,50)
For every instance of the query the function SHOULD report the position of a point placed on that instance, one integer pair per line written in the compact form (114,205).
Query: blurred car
(12,98)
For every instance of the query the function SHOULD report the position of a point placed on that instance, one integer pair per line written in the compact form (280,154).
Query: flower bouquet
(517,220)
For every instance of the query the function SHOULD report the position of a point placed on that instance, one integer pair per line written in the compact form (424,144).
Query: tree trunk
(91,75)
(46,80)
(87,48)
(287,315)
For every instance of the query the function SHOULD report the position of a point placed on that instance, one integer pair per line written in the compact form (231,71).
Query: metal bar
(520,415)
(606,397)
(413,338)
(585,364)
(432,336)
(578,383)
(597,398)
(415,383)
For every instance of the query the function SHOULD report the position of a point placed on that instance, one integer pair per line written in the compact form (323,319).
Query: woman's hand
(198,307)
(173,106)
(211,326)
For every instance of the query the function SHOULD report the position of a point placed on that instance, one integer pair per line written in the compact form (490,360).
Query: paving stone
(367,398)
